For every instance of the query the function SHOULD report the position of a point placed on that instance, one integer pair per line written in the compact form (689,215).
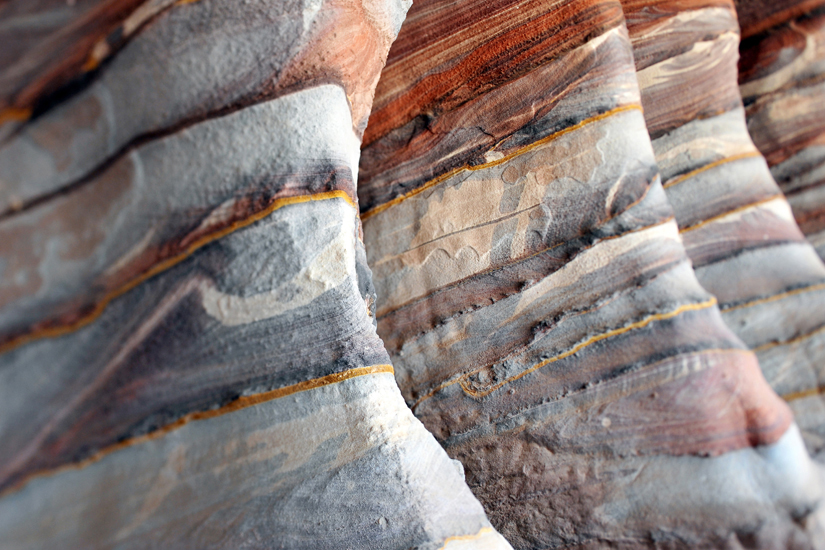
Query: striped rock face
(737,227)
(782,81)
(538,303)
(782,76)
(184,81)
(85,33)
(189,356)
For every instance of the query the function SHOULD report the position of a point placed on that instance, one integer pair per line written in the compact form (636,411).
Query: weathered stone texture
(534,292)
(188,354)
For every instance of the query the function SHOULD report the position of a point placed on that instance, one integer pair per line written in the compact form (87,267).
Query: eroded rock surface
(189,356)
(536,297)
(738,229)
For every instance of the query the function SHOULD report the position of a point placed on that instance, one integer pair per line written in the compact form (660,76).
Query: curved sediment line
(238,404)
(793,396)
(794,340)
(63,329)
(780,296)
(589,342)
(126,30)
(457,538)
(736,210)
(650,367)
(733,158)
(575,349)
(547,139)
(137,141)
(521,260)
(571,315)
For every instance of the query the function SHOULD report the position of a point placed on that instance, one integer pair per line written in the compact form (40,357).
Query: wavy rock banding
(737,227)
(570,247)
(537,300)
(189,356)
(782,81)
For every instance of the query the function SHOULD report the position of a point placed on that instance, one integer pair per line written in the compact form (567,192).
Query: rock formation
(570,245)
(535,296)
(189,351)
(737,227)
(782,82)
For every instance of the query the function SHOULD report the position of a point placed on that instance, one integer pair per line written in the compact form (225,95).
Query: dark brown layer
(484,325)
(344,44)
(811,216)
(656,36)
(756,16)
(658,411)
(481,45)
(783,120)
(765,53)
(669,103)
(172,242)
(438,135)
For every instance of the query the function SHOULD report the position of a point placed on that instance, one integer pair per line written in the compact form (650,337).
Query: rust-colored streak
(589,342)
(55,54)
(679,179)
(348,49)
(14,114)
(647,18)
(513,343)
(784,92)
(482,532)
(729,213)
(775,297)
(236,405)
(756,16)
(435,181)
(793,396)
(762,55)
(54,331)
(572,351)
